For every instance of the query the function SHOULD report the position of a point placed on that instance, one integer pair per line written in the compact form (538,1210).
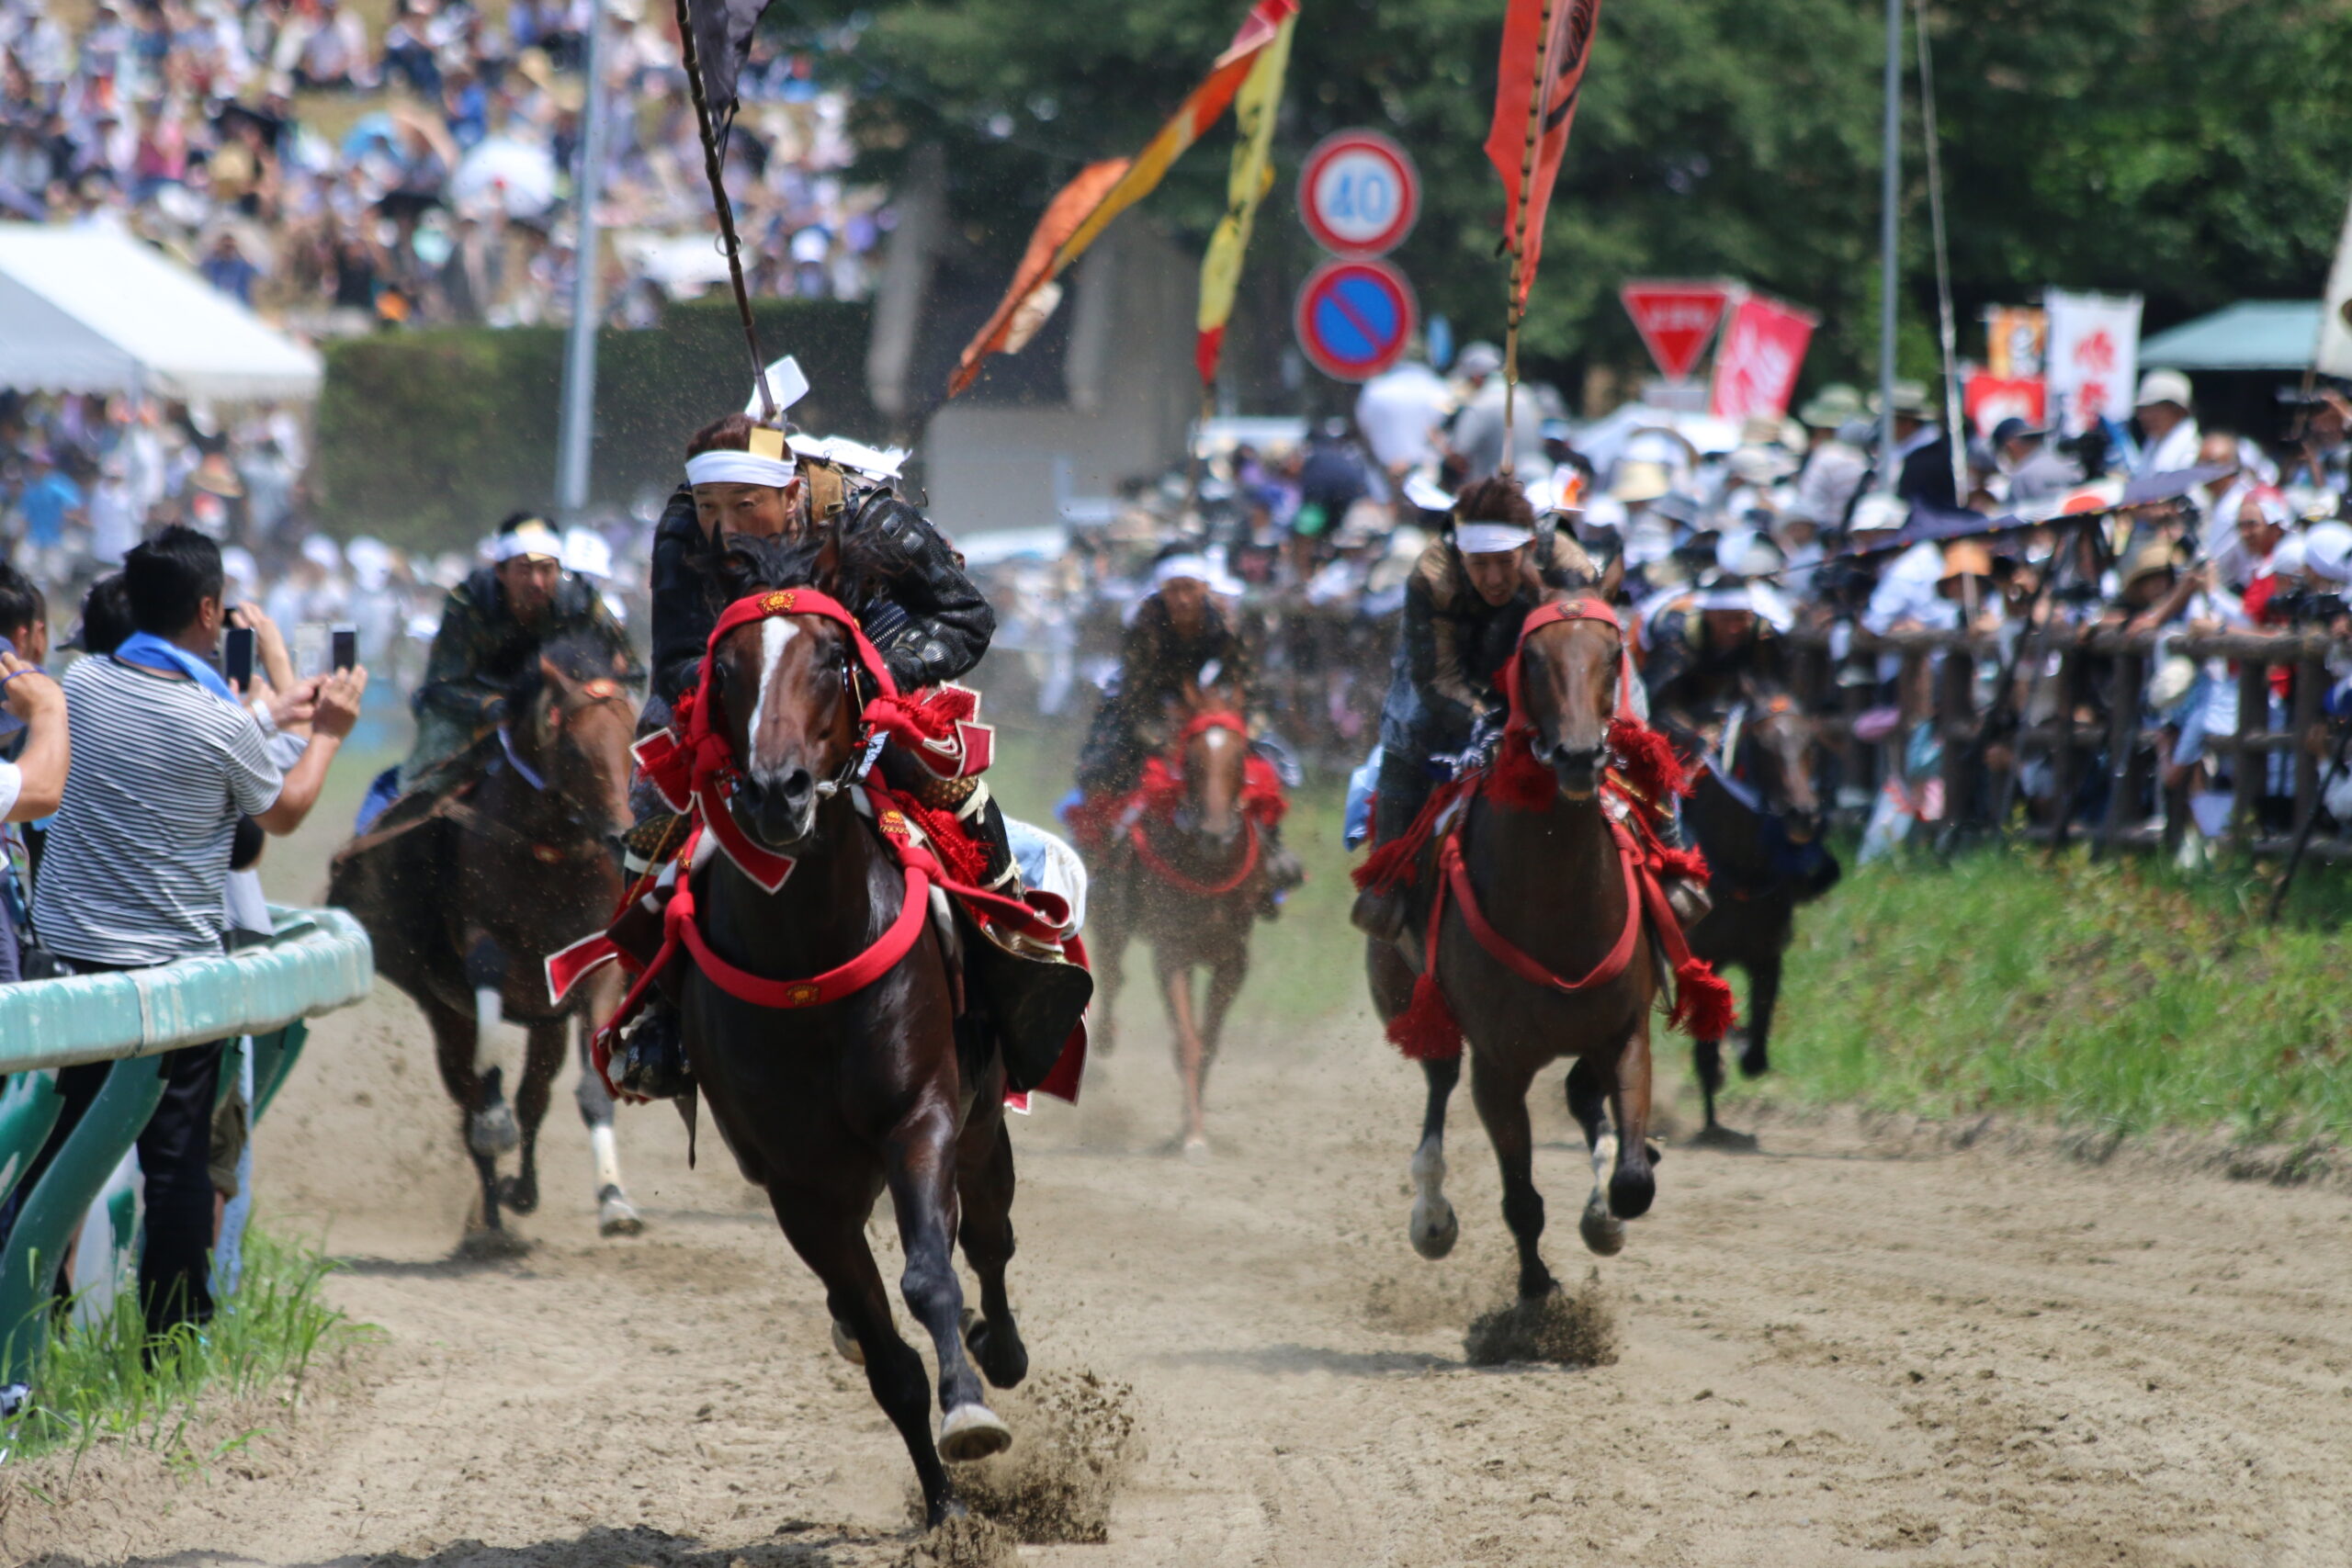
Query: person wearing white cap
(1477,436)
(2168,433)
(1469,593)
(492,626)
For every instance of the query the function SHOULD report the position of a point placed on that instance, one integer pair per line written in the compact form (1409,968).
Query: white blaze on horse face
(775,635)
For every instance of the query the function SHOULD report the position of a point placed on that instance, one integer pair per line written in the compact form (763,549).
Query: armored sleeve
(1433,655)
(682,613)
(948,624)
(453,683)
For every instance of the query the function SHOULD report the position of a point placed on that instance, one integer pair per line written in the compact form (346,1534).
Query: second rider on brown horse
(928,621)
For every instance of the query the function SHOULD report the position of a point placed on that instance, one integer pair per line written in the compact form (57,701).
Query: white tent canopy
(93,310)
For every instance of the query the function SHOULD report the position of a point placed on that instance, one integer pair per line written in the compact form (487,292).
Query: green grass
(255,1356)
(2121,995)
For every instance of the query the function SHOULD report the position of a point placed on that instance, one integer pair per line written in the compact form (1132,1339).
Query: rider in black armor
(927,620)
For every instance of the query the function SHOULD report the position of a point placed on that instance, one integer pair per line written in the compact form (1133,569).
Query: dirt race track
(1829,1354)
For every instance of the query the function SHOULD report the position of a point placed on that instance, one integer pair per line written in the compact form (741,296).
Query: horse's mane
(850,562)
(578,657)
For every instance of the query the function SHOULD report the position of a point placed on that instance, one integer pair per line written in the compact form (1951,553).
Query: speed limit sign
(1359,193)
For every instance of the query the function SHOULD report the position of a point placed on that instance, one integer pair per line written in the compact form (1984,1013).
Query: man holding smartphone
(138,856)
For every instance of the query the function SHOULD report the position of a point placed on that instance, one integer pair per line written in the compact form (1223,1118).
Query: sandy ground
(1830,1354)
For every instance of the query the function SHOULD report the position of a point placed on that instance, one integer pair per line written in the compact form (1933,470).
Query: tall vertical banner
(2094,363)
(1546,44)
(1252,176)
(1085,208)
(2333,355)
(1763,349)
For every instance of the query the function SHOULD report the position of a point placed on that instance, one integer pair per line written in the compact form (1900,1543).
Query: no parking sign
(1354,318)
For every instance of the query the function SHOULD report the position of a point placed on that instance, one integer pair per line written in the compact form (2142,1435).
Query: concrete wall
(1129,394)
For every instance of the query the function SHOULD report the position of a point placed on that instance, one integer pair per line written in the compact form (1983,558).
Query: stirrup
(1690,902)
(653,1058)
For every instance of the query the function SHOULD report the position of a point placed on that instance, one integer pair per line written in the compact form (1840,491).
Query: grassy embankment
(196,1396)
(2118,995)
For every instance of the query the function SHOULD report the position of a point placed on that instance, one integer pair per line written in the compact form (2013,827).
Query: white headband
(532,539)
(737,469)
(1490,538)
(1196,567)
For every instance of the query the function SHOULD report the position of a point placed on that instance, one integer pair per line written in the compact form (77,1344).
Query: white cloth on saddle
(1049,863)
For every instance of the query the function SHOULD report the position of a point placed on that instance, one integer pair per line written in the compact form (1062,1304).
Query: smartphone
(237,656)
(345,644)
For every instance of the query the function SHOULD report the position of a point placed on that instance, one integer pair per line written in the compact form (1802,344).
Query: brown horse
(1191,882)
(1551,882)
(830,1102)
(1754,808)
(463,905)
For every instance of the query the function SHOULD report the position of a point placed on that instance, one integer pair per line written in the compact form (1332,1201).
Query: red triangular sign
(1677,320)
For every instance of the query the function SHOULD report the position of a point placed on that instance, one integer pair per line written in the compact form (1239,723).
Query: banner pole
(1517,313)
(726,210)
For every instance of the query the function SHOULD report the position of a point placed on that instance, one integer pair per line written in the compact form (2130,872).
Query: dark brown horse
(1551,882)
(1190,881)
(463,905)
(1754,808)
(827,1104)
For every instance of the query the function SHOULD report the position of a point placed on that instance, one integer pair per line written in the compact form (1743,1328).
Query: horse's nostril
(796,787)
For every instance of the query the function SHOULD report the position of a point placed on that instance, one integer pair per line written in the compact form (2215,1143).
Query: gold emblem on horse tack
(777,603)
(806,993)
(602,689)
(893,823)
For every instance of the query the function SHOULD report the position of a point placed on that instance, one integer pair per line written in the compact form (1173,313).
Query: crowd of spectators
(342,177)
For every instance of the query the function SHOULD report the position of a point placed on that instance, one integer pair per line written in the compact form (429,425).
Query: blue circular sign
(1354,318)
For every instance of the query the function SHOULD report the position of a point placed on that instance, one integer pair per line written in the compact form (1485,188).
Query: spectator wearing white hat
(1476,438)
(2169,432)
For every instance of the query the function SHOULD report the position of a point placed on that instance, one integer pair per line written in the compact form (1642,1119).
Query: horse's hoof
(491,1132)
(616,1216)
(1435,1228)
(1715,1135)
(972,1432)
(1631,1193)
(515,1197)
(845,1345)
(1754,1064)
(1603,1233)
(1196,1149)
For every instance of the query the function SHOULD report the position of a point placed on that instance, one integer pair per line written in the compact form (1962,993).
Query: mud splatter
(1074,1436)
(1574,1329)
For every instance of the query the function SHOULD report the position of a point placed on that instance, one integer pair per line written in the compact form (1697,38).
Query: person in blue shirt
(48,501)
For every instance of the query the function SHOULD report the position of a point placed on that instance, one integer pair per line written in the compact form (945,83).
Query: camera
(2309,608)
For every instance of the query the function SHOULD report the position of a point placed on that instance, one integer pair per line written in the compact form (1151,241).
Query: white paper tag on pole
(881,462)
(785,383)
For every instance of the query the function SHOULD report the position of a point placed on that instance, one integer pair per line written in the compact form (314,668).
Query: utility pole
(1890,192)
(579,410)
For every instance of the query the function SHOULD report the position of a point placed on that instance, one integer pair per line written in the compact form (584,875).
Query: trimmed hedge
(426,438)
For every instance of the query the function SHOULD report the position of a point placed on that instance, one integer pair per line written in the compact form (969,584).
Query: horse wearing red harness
(819,1009)
(1184,862)
(1544,933)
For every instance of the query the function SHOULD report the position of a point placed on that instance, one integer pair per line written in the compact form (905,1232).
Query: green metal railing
(315,961)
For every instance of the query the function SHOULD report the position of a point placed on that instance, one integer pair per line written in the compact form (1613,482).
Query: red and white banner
(1989,399)
(2094,369)
(1677,320)
(1763,349)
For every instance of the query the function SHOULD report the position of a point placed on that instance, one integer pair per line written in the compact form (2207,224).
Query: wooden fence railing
(2079,703)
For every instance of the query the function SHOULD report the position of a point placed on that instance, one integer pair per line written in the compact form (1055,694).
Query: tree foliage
(2193,155)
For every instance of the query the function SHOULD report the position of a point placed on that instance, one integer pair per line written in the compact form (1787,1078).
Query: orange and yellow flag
(1085,207)
(1254,107)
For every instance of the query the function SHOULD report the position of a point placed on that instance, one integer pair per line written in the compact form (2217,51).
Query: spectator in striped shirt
(138,855)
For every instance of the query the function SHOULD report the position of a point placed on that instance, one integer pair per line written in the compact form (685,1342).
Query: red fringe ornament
(1647,760)
(1517,782)
(1704,1008)
(1425,1031)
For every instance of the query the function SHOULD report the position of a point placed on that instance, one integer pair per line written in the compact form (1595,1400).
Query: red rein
(1648,771)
